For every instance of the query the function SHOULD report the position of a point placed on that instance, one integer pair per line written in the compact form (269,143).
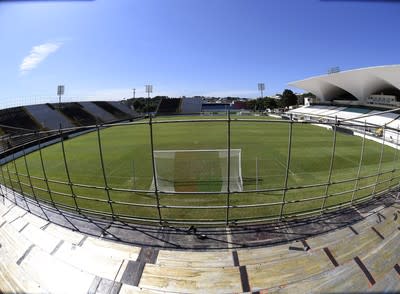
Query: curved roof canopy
(357,84)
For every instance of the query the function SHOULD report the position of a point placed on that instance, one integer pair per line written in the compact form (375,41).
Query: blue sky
(102,49)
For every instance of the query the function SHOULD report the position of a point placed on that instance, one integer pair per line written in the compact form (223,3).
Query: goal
(197,170)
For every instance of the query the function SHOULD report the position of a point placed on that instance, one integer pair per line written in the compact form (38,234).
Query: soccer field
(126,154)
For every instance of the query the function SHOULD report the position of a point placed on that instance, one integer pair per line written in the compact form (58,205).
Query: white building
(379,85)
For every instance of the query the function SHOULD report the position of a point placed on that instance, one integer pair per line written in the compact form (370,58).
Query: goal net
(197,170)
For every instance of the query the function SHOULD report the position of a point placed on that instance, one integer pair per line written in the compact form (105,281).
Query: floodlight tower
(261,88)
(60,92)
(149,89)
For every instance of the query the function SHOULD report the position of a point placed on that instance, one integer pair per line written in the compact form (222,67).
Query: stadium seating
(98,112)
(19,125)
(355,115)
(39,257)
(17,117)
(214,107)
(169,106)
(77,115)
(49,117)
(118,110)
(191,105)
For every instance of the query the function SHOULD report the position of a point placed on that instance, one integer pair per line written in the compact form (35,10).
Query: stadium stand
(77,115)
(17,117)
(351,112)
(215,107)
(191,105)
(98,112)
(50,118)
(377,118)
(19,127)
(169,106)
(377,124)
(315,112)
(41,257)
(118,110)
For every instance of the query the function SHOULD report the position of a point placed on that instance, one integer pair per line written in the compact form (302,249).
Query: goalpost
(197,170)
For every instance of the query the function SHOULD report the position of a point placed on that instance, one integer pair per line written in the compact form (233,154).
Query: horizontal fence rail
(53,168)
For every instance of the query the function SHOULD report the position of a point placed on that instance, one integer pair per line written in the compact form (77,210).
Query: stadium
(198,197)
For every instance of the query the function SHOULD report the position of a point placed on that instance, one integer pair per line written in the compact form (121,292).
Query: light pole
(60,92)
(149,89)
(261,88)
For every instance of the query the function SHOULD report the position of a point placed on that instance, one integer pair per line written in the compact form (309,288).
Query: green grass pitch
(127,161)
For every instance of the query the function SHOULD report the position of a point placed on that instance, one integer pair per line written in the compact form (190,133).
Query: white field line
(195,150)
(284,166)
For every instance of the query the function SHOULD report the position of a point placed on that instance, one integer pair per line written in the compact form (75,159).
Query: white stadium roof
(358,83)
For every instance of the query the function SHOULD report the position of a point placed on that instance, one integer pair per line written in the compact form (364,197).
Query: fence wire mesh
(290,168)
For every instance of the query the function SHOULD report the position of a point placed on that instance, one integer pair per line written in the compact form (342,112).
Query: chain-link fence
(288,168)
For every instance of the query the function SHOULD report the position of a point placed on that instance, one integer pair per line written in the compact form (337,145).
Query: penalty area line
(284,166)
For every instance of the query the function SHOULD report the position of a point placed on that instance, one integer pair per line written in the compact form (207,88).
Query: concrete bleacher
(17,117)
(49,117)
(215,107)
(169,106)
(41,257)
(191,105)
(77,115)
(18,126)
(98,112)
(316,111)
(379,119)
(117,109)
(23,126)
(358,116)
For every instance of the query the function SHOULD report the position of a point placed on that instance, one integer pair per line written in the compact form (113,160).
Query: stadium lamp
(60,92)
(261,88)
(149,89)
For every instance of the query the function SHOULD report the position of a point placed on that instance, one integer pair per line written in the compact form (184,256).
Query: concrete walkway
(360,254)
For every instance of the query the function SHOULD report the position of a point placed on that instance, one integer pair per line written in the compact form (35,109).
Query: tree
(288,98)
(270,103)
(249,104)
(143,105)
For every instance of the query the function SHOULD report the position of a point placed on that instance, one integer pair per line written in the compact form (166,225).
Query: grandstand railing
(28,185)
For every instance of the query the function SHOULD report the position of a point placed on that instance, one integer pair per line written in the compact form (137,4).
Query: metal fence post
(331,165)
(133,174)
(67,172)
(29,175)
(153,163)
(11,183)
(288,160)
(256,173)
(3,185)
(107,188)
(359,164)
(19,182)
(395,157)
(228,195)
(31,185)
(46,180)
(380,160)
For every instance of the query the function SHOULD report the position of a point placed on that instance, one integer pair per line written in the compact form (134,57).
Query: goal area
(197,170)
